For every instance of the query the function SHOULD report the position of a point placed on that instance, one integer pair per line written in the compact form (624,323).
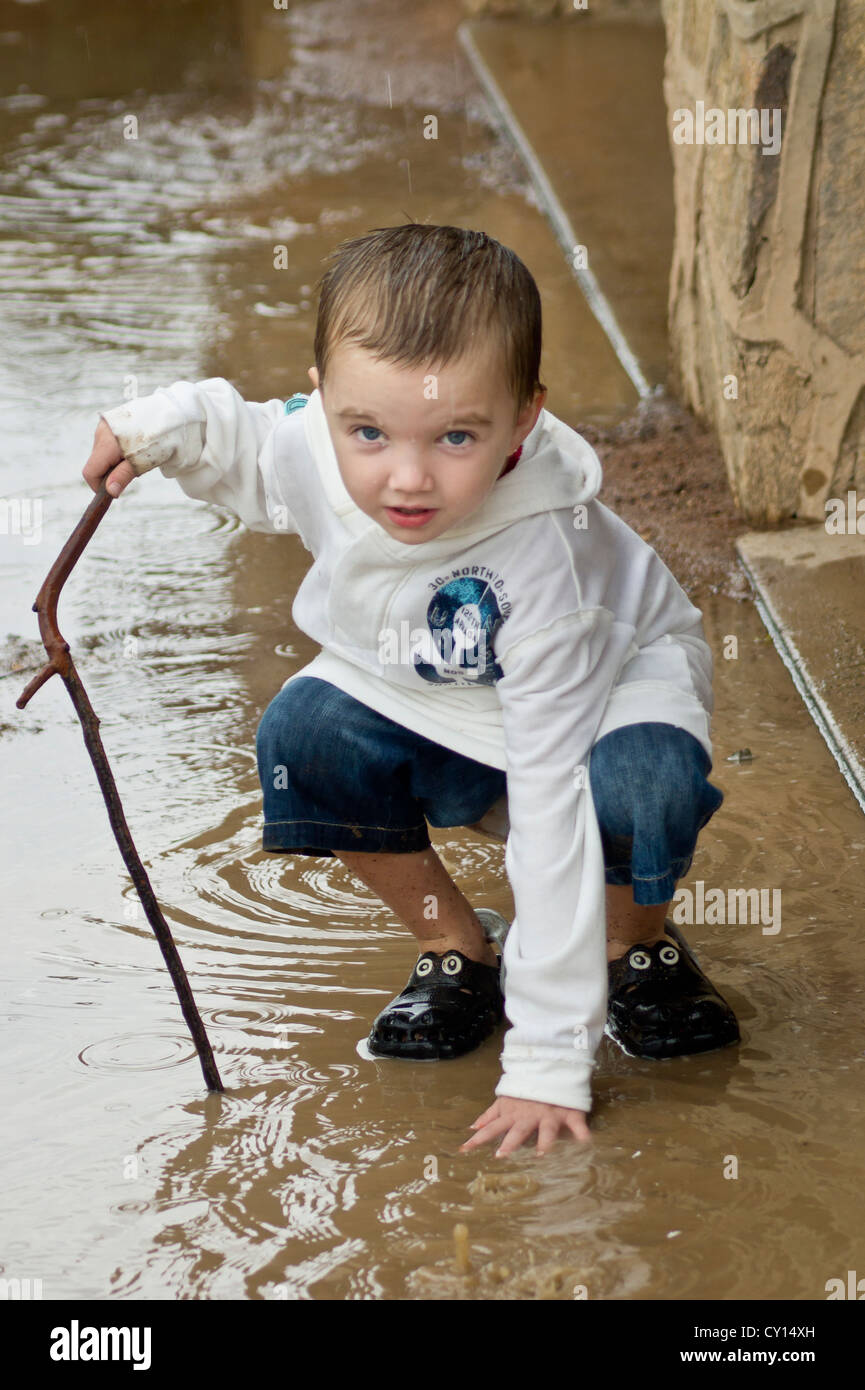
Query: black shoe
(449,1006)
(660,1004)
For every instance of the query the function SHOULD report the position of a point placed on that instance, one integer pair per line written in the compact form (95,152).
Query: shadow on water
(127,263)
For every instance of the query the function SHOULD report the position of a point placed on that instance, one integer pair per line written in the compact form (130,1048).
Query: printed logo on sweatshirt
(463,618)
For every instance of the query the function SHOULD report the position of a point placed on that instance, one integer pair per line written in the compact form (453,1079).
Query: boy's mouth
(410,516)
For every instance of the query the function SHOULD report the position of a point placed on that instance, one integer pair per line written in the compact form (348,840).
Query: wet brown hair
(419,294)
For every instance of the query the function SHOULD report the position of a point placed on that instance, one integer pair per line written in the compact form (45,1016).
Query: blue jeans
(338,776)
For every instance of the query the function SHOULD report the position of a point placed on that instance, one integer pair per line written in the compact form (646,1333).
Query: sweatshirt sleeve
(553,691)
(210,439)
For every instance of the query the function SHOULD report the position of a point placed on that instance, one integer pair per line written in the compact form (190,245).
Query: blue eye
(463,433)
(364,435)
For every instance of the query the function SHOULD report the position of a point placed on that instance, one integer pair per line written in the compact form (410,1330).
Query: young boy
(495,644)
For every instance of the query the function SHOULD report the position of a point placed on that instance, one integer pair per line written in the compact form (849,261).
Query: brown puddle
(319,1175)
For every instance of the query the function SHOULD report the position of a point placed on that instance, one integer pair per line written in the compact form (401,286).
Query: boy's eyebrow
(471,417)
(353,412)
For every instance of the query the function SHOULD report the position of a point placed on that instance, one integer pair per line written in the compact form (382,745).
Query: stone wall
(768,274)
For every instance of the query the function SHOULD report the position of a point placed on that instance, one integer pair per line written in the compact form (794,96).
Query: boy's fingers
(482,1137)
(489,1114)
(489,1131)
(519,1132)
(105,454)
(121,477)
(548,1131)
(97,466)
(579,1128)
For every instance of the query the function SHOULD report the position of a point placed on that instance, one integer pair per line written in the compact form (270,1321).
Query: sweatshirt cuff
(555,1075)
(152,432)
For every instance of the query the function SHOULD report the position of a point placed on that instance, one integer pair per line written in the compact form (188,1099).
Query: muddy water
(318,1175)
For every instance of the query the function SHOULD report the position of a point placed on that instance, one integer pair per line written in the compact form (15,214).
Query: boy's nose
(409,472)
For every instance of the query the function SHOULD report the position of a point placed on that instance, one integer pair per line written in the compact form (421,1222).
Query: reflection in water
(319,1174)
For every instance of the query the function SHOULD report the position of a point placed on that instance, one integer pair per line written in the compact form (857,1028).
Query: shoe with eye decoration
(448,1007)
(660,1004)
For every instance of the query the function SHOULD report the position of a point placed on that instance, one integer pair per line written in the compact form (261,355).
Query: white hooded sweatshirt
(519,638)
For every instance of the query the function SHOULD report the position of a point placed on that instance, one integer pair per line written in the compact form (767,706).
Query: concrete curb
(839,746)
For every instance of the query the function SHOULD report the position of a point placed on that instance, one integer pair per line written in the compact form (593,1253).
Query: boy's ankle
(477,950)
(617,948)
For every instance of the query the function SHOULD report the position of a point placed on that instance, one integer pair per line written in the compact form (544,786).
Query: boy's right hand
(105,457)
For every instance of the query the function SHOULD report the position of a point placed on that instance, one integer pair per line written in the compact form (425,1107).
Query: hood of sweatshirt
(557,468)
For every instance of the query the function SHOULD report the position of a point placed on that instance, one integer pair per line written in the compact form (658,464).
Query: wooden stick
(61,663)
(462,1261)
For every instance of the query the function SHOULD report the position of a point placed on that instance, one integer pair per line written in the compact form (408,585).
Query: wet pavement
(585,102)
(318,1175)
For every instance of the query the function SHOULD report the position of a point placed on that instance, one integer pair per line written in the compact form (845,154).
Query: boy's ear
(527,418)
(313,376)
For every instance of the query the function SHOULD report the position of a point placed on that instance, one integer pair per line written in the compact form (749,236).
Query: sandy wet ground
(318,1175)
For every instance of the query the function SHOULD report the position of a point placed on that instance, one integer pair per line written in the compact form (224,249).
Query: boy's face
(418,466)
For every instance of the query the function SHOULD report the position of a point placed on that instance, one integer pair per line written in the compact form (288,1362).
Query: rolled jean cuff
(650,889)
(327,838)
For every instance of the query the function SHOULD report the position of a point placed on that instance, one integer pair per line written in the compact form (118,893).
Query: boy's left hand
(518,1120)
